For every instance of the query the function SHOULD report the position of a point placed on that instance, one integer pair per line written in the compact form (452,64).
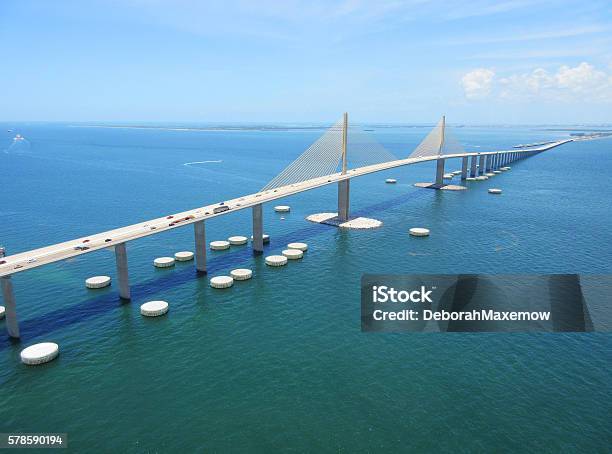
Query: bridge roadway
(37,257)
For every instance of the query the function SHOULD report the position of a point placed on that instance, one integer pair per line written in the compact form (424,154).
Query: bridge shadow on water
(46,324)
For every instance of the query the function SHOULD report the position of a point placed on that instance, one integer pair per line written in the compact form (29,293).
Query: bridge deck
(37,257)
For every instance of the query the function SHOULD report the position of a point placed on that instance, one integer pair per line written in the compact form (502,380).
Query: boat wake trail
(18,145)
(195,163)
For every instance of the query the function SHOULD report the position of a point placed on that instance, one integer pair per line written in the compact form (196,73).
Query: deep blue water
(279,362)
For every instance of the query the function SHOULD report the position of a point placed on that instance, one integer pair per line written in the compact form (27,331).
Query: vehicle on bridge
(220,209)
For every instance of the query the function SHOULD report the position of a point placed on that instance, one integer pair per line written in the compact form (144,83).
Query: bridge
(325,162)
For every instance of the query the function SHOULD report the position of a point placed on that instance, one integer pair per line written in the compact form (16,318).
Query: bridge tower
(439,145)
(343,185)
(440,162)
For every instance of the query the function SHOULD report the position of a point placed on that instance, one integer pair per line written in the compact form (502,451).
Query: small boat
(18,138)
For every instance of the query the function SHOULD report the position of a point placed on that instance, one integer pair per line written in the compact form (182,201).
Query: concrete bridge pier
(464,167)
(122,271)
(343,199)
(199,230)
(12,325)
(495,161)
(473,167)
(439,173)
(481,165)
(488,162)
(258,229)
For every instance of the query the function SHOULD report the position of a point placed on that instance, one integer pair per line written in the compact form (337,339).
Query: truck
(220,209)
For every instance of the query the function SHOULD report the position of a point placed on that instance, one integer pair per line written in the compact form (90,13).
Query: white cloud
(526,85)
(583,83)
(477,83)
(584,78)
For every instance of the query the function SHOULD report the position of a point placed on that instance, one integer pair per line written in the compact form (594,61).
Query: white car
(32,260)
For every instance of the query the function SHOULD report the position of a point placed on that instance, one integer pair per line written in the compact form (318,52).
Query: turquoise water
(279,362)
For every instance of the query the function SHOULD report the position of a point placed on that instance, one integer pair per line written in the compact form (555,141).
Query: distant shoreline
(282,128)
(208,128)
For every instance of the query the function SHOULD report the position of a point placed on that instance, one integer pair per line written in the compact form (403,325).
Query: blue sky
(507,61)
